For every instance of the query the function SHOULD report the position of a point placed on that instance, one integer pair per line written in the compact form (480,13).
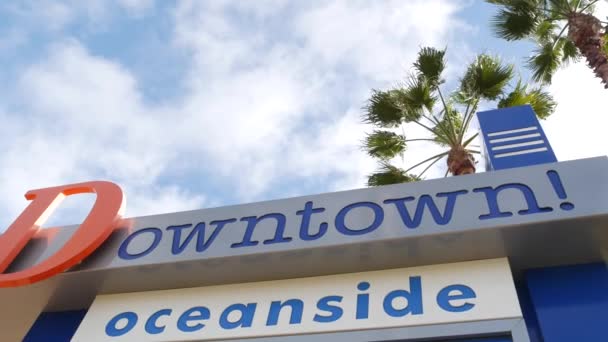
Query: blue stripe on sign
(510,151)
(525,144)
(506,134)
(521,152)
(512,138)
(512,131)
(494,145)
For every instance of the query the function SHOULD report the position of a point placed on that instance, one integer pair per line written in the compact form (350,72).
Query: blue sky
(196,104)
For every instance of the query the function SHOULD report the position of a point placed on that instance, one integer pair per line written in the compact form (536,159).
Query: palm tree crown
(546,22)
(421,101)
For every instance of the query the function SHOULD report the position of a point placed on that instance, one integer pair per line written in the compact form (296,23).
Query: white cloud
(377,39)
(168,199)
(292,106)
(54,16)
(82,119)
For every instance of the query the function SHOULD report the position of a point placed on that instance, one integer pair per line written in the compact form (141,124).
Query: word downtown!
(183,235)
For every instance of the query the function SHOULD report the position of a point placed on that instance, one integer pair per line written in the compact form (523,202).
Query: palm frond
(416,97)
(449,128)
(430,165)
(469,140)
(384,144)
(545,31)
(542,102)
(544,62)
(389,174)
(569,51)
(561,6)
(486,78)
(383,109)
(587,6)
(461,97)
(430,64)
(516,22)
(442,154)
(511,3)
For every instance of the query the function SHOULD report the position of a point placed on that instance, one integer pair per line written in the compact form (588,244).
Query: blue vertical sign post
(513,137)
(569,303)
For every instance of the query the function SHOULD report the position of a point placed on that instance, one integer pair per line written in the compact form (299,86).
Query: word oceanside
(390,298)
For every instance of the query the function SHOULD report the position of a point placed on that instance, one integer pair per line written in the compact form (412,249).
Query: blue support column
(528,311)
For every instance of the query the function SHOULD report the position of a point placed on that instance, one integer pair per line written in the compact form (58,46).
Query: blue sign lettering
(245,320)
(411,210)
(199,230)
(413,298)
(363,301)
(455,292)
(151,326)
(252,222)
(157,236)
(197,313)
(426,201)
(378,215)
(335,312)
(297,308)
(113,331)
(399,303)
(305,225)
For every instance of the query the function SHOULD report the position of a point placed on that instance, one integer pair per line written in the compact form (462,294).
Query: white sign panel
(450,293)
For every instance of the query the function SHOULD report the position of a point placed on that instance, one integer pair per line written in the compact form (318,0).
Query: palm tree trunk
(460,161)
(585,31)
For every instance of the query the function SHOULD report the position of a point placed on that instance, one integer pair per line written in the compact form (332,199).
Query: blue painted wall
(55,326)
(570,302)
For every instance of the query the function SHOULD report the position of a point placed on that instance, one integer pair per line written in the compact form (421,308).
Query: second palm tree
(421,101)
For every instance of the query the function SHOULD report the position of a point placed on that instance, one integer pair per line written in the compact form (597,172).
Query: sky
(198,104)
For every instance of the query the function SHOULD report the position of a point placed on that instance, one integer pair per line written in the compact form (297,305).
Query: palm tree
(421,101)
(545,22)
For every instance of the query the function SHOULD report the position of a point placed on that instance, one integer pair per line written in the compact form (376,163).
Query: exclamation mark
(559,189)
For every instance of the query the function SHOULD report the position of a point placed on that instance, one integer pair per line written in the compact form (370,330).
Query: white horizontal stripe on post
(519,137)
(529,143)
(509,154)
(519,130)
